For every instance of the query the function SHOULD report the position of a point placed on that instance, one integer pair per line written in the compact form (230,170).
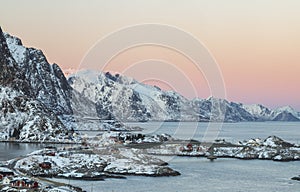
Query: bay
(199,174)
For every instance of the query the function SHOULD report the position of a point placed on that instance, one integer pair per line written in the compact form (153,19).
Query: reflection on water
(12,150)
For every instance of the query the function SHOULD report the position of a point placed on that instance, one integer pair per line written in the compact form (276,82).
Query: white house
(6,181)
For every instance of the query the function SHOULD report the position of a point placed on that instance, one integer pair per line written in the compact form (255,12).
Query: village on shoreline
(118,154)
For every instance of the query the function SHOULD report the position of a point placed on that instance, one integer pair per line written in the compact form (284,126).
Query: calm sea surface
(198,174)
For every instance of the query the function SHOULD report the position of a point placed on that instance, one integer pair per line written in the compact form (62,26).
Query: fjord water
(13,150)
(199,174)
(233,132)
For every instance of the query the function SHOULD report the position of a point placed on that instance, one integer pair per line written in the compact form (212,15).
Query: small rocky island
(297,178)
(271,148)
(91,163)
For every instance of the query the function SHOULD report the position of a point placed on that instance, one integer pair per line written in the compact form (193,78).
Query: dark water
(12,150)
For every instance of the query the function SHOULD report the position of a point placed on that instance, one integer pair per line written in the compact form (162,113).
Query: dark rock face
(296,178)
(285,116)
(27,119)
(172,104)
(7,65)
(23,114)
(233,112)
(47,83)
(9,73)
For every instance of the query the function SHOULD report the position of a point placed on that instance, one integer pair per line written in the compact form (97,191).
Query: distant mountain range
(124,98)
(36,97)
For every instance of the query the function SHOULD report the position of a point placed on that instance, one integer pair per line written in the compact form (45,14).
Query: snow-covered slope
(280,114)
(126,99)
(233,112)
(123,98)
(47,83)
(286,113)
(23,117)
(26,73)
(26,119)
(285,116)
(259,111)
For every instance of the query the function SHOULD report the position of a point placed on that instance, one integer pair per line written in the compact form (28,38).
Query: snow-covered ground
(271,148)
(115,154)
(91,163)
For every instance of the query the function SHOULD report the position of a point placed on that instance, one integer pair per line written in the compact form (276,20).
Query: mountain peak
(286,111)
(16,48)
(9,74)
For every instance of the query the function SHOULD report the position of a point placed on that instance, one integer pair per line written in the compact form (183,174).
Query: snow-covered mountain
(27,119)
(233,112)
(126,99)
(38,103)
(22,116)
(258,111)
(286,113)
(47,83)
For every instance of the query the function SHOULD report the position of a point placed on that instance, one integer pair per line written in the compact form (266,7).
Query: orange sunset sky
(255,43)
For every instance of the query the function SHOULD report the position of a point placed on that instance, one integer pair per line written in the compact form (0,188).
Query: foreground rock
(297,178)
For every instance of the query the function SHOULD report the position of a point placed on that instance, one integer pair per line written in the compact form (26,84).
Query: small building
(6,172)
(50,153)
(189,147)
(45,165)
(31,184)
(17,183)
(24,183)
(6,181)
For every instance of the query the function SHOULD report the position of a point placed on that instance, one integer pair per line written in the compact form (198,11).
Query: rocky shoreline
(91,163)
(121,154)
(271,148)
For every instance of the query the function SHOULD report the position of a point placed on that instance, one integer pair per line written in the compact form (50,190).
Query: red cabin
(45,165)
(50,153)
(17,183)
(189,147)
(31,184)
(24,183)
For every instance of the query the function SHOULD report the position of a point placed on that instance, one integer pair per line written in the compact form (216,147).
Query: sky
(254,43)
